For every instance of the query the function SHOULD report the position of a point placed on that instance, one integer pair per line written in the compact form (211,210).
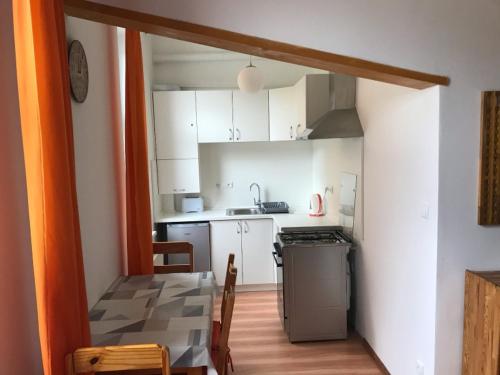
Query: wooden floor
(259,345)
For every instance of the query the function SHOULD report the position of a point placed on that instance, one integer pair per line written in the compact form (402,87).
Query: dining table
(174,310)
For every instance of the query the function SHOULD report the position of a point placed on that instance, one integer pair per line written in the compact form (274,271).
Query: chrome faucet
(259,202)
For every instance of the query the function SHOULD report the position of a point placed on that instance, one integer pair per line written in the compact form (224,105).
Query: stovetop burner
(316,237)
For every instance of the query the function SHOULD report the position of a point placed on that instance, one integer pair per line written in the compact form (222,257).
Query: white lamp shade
(250,79)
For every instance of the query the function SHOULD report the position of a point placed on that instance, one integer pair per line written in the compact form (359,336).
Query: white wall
(451,37)
(99,181)
(332,157)
(396,266)
(282,169)
(147,61)
(19,342)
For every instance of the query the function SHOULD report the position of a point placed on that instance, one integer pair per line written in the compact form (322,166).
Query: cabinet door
(225,238)
(175,124)
(257,245)
(282,114)
(312,100)
(214,111)
(178,176)
(251,116)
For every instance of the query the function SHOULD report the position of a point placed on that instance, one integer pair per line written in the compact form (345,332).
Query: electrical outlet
(225,185)
(420,368)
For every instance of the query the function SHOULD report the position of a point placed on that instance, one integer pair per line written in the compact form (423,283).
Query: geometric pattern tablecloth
(174,310)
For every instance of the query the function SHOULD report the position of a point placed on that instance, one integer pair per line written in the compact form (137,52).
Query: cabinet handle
(238,229)
(247,229)
(192,124)
(231,134)
(239,134)
(291,132)
(179,190)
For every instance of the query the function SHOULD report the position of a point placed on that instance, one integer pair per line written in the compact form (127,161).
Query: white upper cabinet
(214,110)
(179,176)
(312,98)
(175,124)
(291,109)
(251,116)
(283,118)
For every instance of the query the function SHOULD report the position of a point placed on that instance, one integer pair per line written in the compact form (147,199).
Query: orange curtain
(45,108)
(139,244)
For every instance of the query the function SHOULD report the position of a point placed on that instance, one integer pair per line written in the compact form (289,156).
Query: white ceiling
(173,46)
(170,50)
(191,65)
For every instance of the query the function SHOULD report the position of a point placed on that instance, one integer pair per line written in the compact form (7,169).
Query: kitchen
(415,228)
(222,155)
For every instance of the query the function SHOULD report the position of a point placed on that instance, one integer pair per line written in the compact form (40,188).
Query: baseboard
(374,355)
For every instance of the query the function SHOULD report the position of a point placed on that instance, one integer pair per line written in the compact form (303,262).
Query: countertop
(290,220)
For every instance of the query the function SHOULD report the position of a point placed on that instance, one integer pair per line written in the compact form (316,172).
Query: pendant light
(250,78)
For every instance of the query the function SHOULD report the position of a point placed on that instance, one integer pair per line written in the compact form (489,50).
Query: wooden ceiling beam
(251,45)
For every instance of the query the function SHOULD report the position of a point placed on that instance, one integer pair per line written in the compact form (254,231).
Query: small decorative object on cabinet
(78,71)
(489,193)
(481,342)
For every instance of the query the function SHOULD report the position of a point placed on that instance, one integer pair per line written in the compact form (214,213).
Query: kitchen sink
(243,211)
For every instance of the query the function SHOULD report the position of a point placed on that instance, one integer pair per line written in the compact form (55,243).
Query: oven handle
(275,256)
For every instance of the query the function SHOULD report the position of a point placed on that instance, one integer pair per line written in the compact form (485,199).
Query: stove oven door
(278,259)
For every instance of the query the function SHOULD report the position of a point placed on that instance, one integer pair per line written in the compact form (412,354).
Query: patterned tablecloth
(174,310)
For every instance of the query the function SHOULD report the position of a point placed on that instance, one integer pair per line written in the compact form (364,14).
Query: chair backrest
(118,358)
(223,348)
(229,280)
(174,247)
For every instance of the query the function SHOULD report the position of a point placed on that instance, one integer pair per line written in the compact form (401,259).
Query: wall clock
(78,71)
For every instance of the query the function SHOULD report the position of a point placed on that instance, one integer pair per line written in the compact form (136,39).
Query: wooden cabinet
(481,341)
(283,117)
(257,244)
(175,124)
(214,111)
(251,116)
(251,242)
(225,238)
(178,176)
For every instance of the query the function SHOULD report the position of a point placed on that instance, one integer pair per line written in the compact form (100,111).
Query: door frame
(251,45)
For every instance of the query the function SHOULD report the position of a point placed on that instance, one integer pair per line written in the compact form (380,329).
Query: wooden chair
(229,280)
(174,247)
(221,356)
(220,351)
(118,358)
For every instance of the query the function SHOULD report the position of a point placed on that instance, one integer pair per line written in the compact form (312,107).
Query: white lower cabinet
(251,241)
(256,245)
(225,238)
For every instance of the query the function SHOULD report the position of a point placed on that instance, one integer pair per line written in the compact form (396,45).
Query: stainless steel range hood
(342,121)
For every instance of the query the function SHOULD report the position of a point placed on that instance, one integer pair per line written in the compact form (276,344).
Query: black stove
(313,237)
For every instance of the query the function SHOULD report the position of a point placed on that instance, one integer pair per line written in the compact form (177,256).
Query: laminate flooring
(259,345)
